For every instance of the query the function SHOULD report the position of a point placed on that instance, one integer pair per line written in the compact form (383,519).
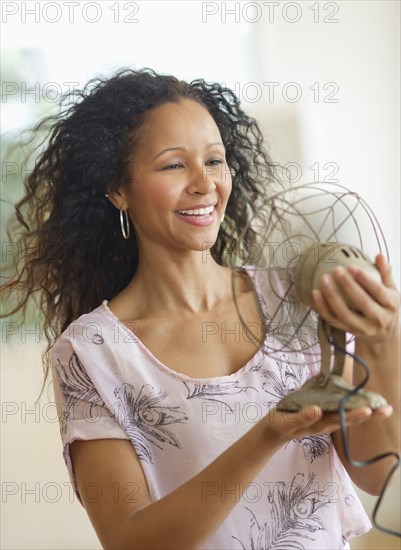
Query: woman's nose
(202,180)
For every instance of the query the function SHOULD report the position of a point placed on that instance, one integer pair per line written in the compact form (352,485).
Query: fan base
(327,392)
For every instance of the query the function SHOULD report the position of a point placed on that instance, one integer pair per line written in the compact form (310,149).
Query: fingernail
(362,414)
(325,280)
(339,271)
(315,294)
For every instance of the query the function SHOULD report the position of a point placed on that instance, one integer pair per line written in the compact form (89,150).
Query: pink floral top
(109,385)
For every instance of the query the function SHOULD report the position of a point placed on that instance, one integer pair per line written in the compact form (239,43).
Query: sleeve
(82,413)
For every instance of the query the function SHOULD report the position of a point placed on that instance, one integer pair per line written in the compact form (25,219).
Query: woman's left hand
(377,318)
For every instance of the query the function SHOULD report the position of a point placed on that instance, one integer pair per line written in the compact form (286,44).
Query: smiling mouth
(197,212)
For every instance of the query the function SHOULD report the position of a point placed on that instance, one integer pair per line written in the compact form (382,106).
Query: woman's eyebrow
(181,148)
(169,149)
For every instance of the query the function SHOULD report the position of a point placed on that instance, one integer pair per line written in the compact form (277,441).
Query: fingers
(311,420)
(331,422)
(383,412)
(385,271)
(321,305)
(332,307)
(359,286)
(376,305)
(384,293)
(357,416)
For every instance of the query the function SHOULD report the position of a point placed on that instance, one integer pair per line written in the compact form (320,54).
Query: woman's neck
(191,283)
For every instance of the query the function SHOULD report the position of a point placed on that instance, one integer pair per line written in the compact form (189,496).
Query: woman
(148,180)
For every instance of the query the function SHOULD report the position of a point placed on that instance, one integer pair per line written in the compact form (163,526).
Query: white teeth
(198,211)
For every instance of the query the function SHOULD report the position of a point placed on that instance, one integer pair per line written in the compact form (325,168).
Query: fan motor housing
(322,258)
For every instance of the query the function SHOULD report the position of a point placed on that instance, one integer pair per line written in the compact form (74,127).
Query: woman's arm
(377,333)
(190,514)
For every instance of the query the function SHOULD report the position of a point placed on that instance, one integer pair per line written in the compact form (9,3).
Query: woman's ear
(117,199)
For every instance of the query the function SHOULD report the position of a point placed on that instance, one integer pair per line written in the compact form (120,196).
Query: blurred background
(323,80)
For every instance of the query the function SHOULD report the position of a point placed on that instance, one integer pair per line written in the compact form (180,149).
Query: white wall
(360,133)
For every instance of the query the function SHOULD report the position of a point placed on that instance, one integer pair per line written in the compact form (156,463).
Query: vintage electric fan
(295,237)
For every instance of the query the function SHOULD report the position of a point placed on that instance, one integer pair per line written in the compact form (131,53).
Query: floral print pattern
(215,392)
(76,385)
(146,418)
(293,515)
(283,380)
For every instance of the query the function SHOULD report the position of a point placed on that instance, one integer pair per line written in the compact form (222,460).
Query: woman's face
(181,181)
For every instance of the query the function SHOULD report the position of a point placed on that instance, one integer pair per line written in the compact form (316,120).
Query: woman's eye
(215,162)
(172,166)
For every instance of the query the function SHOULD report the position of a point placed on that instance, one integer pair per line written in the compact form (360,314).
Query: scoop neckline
(174,373)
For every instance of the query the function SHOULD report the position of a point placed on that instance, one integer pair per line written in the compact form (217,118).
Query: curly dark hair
(77,256)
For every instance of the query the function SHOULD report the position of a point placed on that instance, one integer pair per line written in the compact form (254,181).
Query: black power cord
(344,431)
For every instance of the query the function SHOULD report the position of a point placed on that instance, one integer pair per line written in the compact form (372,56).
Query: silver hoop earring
(124,231)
